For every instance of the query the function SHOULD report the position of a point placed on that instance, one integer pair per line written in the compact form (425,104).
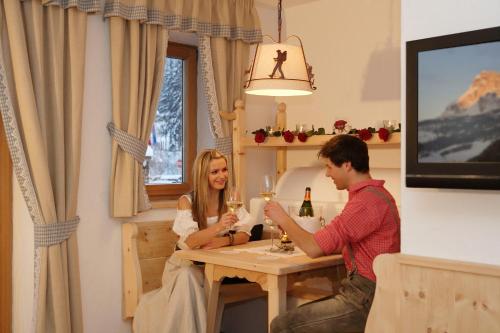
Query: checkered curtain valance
(234,19)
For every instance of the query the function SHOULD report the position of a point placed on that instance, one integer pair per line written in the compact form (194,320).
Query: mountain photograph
(466,128)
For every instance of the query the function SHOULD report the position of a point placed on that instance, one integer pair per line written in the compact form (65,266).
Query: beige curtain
(138,54)
(232,19)
(138,48)
(229,62)
(41,92)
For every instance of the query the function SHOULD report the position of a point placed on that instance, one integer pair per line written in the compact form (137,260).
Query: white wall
(354,48)
(22,263)
(453,224)
(99,236)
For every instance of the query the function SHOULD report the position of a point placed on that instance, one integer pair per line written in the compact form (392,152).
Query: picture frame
(453,111)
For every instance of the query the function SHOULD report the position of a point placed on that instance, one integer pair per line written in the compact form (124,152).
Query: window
(172,145)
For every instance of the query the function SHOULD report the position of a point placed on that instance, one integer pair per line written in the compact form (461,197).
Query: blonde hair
(201,169)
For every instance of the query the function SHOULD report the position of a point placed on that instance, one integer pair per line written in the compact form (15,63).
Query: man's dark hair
(347,148)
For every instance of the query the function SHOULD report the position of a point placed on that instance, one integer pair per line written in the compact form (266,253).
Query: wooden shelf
(317,141)
(383,155)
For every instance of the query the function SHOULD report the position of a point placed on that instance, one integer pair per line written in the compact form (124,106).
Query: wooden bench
(147,245)
(430,295)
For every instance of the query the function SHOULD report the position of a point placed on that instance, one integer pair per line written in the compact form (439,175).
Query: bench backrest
(146,247)
(420,294)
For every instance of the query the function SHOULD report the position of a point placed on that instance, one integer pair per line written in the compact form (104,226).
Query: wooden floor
(5,235)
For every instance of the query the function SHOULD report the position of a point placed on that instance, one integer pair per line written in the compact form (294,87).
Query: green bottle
(307,209)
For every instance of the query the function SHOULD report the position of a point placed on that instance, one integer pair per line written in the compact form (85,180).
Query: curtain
(231,19)
(139,34)
(223,65)
(41,91)
(230,60)
(138,54)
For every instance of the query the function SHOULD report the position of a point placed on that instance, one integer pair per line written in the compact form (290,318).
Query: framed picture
(453,111)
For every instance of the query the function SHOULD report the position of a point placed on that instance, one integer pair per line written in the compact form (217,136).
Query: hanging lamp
(280,69)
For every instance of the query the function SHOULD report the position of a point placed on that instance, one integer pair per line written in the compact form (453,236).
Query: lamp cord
(279,21)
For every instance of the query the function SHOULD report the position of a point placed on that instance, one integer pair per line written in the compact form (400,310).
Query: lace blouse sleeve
(184,225)
(246,221)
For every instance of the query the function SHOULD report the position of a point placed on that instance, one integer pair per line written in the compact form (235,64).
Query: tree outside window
(172,144)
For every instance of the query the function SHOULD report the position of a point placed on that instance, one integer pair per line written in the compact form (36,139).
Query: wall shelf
(316,141)
(387,156)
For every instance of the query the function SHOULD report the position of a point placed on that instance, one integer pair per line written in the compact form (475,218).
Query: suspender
(393,210)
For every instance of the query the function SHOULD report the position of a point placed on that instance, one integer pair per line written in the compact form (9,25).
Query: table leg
(276,297)
(212,294)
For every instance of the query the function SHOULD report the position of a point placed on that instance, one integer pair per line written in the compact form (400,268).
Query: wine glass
(233,201)
(319,211)
(267,193)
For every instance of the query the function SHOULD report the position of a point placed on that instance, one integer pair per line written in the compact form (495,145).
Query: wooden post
(281,151)
(132,278)
(212,294)
(239,161)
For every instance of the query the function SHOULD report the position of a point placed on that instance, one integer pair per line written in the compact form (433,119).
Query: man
(368,226)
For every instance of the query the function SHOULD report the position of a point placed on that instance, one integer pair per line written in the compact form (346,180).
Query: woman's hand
(226,221)
(275,212)
(215,243)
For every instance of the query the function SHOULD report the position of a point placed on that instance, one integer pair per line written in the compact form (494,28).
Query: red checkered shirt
(368,223)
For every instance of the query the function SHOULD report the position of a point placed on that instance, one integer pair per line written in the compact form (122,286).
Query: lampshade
(280,70)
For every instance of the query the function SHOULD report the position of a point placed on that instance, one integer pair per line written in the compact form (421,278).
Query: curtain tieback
(128,143)
(51,234)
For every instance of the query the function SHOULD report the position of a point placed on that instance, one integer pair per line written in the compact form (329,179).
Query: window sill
(163,203)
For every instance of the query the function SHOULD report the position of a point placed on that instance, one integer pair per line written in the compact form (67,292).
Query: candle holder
(286,244)
(390,125)
(301,128)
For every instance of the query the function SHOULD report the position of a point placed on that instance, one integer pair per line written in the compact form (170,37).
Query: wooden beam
(5,234)
(281,151)
(239,161)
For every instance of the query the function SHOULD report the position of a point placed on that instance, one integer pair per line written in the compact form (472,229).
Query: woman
(202,221)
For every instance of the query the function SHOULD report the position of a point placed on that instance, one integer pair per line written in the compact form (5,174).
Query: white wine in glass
(267,193)
(234,205)
(233,202)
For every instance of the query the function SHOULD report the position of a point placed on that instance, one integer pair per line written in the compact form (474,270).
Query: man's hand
(299,236)
(275,212)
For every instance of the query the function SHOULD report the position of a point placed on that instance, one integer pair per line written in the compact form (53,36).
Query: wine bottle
(306,209)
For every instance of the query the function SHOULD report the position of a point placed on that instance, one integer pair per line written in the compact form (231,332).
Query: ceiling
(285,3)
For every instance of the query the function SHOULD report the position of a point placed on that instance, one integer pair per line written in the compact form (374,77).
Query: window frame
(189,55)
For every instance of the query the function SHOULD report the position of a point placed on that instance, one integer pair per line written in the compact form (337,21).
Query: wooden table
(273,275)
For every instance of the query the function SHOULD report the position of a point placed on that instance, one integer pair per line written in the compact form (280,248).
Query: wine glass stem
(272,238)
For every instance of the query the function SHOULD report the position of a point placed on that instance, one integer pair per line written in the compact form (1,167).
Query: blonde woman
(202,221)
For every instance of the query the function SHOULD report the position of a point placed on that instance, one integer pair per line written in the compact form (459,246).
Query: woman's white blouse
(184,225)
